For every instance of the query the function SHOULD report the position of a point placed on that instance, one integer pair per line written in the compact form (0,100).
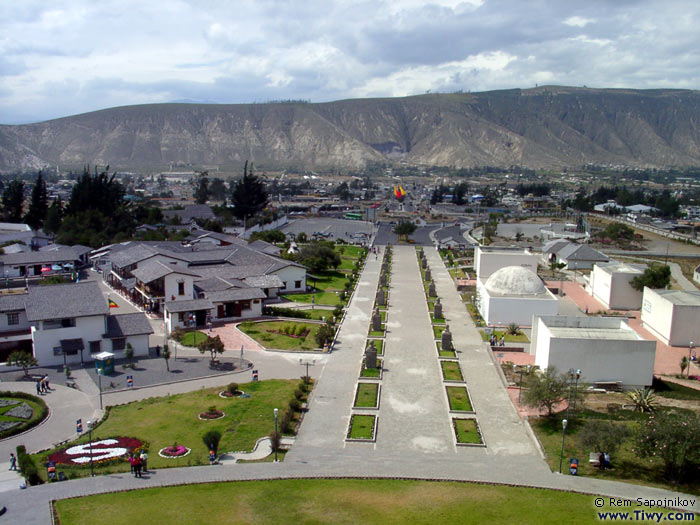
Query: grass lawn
(361,427)
(520,338)
(627,466)
(457,273)
(459,398)
(193,338)
(327,283)
(162,421)
(674,390)
(258,331)
(434,320)
(451,371)
(467,430)
(366,395)
(325,298)
(378,345)
(39,413)
(371,372)
(378,333)
(352,252)
(346,501)
(437,331)
(431,306)
(445,353)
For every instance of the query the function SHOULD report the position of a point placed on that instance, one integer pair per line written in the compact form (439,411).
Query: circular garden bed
(174,452)
(19,412)
(211,414)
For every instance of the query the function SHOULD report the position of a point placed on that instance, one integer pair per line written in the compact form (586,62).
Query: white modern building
(605,349)
(672,315)
(514,294)
(490,259)
(610,283)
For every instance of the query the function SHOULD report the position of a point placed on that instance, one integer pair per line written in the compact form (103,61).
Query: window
(95,347)
(54,324)
(245,305)
(118,344)
(297,284)
(181,288)
(181,317)
(13,318)
(57,350)
(284,285)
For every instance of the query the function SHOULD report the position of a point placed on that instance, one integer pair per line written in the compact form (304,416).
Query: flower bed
(212,414)
(174,451)
(227,394)
(102,451)
(295,336)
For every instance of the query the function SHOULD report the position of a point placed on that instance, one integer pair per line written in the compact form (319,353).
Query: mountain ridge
(546,126)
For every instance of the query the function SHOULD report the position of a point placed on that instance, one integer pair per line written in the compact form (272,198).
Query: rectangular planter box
(382,333)
(380,371)
(437,331)
(453,406)
(451,367)
(370,421)
(470,432)
(447,354)
(435,321)
(378,345)
(367,387)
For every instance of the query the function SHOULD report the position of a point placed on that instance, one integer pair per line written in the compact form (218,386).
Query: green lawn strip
(351,252)
(377,333)
(673,390)
(520,338)
(459,398)
(437,331)
(193,338)
(259,332)
(162,421)
(325,298)
(366,395)
(378,345)
(434,320)
(431,306)
(451,371)
(371,372)
(39,413)
(392,502)
(467,431)
(361,427)
(444,353)
(457,273)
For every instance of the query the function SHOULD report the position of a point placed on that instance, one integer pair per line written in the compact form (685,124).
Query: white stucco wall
(499,310)
(614,289)
(674,324)
(171,285)
(291,274)
(23,323)
(86,328)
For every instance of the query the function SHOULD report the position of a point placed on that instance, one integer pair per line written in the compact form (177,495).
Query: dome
(514,280)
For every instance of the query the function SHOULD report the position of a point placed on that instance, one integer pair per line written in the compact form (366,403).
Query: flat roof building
(672,315)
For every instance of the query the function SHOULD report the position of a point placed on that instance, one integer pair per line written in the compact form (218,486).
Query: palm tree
(644,399)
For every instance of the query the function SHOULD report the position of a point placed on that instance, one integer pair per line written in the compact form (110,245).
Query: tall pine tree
(248,194)
(13,201)
(39,204)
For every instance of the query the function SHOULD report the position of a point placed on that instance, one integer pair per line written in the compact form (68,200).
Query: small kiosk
(104,363)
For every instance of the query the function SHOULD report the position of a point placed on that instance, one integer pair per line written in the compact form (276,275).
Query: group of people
(138,462)
(495,341)
(42,385)
(603,461)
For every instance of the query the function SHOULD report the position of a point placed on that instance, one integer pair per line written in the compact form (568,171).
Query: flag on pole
(112,304)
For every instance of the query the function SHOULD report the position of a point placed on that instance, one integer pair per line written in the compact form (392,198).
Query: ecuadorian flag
(112,304)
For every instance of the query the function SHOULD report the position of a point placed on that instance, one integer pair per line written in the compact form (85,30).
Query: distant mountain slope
(543,127)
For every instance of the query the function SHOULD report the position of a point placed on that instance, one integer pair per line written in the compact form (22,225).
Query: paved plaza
(414,438)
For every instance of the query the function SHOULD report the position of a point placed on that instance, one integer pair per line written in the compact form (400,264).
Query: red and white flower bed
(102,451)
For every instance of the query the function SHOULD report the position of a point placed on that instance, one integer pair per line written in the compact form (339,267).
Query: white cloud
(578,21)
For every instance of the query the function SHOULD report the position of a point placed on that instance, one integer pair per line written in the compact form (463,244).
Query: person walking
(46,380)
(132,463)
(137,466)
(38,388)
(13,461)
(144,460)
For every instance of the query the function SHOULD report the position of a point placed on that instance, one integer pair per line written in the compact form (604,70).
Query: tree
(404,229)
(545,389)
(458,193)
(39,204)
(319,256)
(302,238)
(213,345)
(22,359)
(270,236)
(129,353)
(211,440)
(54,217)
(248,194)
(12,201)
(684,364)
(342,191)
(656,277)
(166,356)
(324,334)
(201,188)
(602,436)
(672,437)
(218,189)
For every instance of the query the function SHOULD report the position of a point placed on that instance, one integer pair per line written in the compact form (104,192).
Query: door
(220,311)
(236,309)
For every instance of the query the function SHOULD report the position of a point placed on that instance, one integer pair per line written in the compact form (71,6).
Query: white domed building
(514,294)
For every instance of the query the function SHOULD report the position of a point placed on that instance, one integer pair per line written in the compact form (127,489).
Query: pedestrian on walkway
(132,463)
(46,381)
(144,460)
(38,388)
(503,340)
(137,466)
(13,461)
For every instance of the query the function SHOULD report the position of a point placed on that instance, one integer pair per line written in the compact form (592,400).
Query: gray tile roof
(235,294)
(188,306)
(264,281)
(12,302)
(152,270)
(131,255)
(65,300)
(123,325)
(191,211)
(555,245)
(581,252)
(66,254)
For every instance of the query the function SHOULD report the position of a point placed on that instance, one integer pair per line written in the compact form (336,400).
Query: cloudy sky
(71,56)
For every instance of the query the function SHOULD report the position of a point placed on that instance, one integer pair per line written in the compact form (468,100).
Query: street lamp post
(578,375)
(307,364)
(570,376)
(690,351)
(277,438)
(99,377)
(563,435)
(91,424)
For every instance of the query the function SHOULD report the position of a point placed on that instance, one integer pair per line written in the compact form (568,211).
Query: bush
(275,441)
(298,394)
(36,418)
(232,388)
(178,334)
(295,405)
(27,466)
(302,386)
(286,312)
(324,334)
(211,440)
